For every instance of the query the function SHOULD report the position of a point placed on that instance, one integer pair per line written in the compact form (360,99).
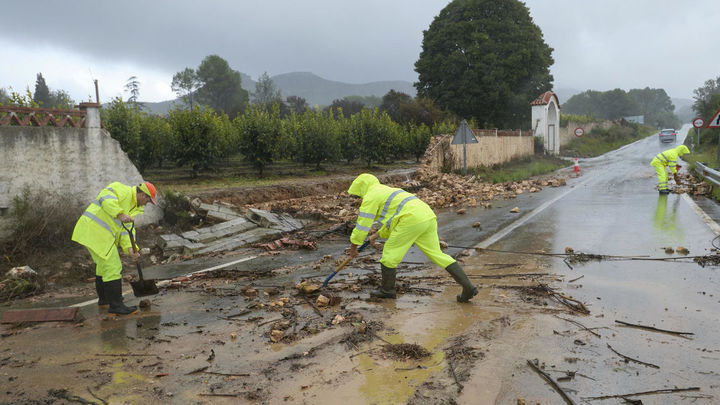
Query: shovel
(141,287)
(344,262)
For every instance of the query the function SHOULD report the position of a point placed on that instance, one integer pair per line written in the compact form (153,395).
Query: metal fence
(710,174)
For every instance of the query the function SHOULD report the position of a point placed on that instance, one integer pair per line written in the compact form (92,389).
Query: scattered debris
(405,351)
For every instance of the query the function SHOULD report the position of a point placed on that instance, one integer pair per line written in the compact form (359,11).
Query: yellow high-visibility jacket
(669,157)
(99,229)
(386,205)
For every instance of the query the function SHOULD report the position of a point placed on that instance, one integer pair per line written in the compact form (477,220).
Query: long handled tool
(141,287)
(347,260)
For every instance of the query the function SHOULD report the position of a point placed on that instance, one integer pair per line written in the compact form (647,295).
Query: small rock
(21,272)
(276,335)
(443,244)
(465,252)
(669,250)
(521,401)
(460,211)
(682,250)
(144,304)
(233,336)
(322,301)
(569,250)
(361,327)
(250,292)
(307,288)
(477,224)
(338,319)
(515,210)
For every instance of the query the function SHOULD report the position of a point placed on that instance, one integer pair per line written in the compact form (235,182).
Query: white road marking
(520,221)
(705,217)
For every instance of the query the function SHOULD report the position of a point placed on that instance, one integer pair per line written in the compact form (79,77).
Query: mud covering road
(543,328)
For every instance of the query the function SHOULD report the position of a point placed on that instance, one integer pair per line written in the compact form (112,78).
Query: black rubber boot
(387,285)
(469,290)
(102,301)
(113,293)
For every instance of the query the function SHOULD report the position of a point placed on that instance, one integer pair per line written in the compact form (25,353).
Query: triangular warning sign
(714,121)
(464,135)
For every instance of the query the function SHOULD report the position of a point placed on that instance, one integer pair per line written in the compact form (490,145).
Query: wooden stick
(452,371)
(552,383)
(578,324)
(314,307)
(660,391)
(226,374)
(654,329)
(212,394)
(576,279)
(96,397)
(631,359)
(509,275)
(123,355)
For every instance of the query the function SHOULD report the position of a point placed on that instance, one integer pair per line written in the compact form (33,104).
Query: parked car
(667,135)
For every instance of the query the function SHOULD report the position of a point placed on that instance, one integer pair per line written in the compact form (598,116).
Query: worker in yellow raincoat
(668,159)
(100,229)
(405,220)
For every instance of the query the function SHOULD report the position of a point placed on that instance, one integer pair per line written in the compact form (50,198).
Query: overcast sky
(598,45)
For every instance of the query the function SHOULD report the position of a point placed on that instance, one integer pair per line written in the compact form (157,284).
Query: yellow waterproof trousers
(109,269)
(661,174)
(423,235)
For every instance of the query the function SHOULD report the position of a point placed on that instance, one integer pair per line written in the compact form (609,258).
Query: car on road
(667,135)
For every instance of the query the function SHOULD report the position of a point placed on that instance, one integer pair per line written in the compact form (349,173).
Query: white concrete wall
(567,133)
(75,163)
(489,150)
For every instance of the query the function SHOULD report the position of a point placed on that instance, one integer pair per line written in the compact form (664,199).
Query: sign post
(698,123)
(464,135)
(715,123)
(579,132)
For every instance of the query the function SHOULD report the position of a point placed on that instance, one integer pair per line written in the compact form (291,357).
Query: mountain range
(313,88)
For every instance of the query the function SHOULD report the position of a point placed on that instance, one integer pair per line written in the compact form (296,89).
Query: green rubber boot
(113,293)
(469,290)
(102,301)
(387,285)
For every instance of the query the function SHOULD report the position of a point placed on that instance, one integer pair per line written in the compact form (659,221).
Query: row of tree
(200,138)
(654,104)
(42,97)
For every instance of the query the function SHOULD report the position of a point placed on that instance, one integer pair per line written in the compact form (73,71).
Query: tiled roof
(545,98)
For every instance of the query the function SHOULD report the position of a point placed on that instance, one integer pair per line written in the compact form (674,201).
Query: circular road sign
(579,132)
(698,122)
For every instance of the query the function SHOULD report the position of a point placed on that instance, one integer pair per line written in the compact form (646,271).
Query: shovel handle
(347,260)
(134,246)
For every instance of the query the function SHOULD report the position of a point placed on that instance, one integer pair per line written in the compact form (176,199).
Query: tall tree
(656,106)
(485,59)
(220,86)
(42,92)
(345,107)
(61,99)
(184,84)
(132,86)
(703,97)
(265,91)
(4,96)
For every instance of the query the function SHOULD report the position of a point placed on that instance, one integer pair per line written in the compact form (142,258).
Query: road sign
(698,122)
(464,135)
(715,121)
(579,132)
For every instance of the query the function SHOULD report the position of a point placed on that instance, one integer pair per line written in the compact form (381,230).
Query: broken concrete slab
(242,239)
(220,212)
(219,231)
(172,243)
(282,222)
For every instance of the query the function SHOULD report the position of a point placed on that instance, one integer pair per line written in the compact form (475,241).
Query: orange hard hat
(149,189)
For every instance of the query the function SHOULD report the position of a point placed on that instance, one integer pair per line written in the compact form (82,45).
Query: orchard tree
(346,107)
(259,132)
(417,140)
(485,59)
(200,137)
(220,86)
(122,121)
(185,84)
(42,92)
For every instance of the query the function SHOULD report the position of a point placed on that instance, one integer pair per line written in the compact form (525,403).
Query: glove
(678,167)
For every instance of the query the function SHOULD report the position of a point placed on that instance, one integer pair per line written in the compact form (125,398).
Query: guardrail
(711,174)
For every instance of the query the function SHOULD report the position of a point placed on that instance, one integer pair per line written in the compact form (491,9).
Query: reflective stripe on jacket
(386,205)
(98,228)
(669,157)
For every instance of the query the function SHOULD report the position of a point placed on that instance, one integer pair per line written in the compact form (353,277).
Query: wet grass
(520,169)
(598,141)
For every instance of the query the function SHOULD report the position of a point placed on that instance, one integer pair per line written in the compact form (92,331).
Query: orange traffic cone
(576,167)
